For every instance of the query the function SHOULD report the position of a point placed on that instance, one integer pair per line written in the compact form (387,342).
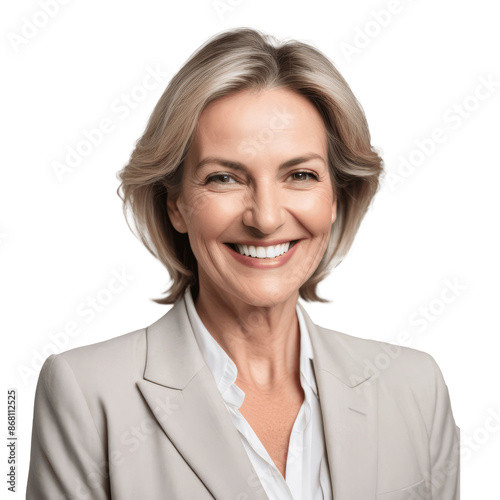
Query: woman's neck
(263,342)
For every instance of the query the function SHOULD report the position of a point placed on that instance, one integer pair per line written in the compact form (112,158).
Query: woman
(249,183)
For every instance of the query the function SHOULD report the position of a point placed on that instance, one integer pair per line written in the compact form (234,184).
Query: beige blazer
(139,417)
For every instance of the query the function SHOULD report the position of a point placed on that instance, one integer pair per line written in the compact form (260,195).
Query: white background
(432,228)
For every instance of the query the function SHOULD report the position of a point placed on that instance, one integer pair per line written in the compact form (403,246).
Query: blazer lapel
(348,399)
(182,394)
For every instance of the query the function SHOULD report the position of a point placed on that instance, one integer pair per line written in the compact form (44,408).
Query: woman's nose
(265,211)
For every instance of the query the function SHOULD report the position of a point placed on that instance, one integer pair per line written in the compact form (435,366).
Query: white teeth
(269,252)
(261,252)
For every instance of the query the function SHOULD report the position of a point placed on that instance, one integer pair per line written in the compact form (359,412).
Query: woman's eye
(303,176)
(221,179)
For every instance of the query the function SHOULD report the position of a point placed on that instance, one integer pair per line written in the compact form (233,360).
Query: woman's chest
(272,419)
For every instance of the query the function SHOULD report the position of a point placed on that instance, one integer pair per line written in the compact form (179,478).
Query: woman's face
(256,182)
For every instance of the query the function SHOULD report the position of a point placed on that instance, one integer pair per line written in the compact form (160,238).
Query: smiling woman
(249,183)
(237,208)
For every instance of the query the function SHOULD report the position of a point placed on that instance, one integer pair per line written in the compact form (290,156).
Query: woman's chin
(266,294)
(255,291)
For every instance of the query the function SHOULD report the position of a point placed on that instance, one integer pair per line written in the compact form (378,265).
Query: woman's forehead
(262,122)
(275,108)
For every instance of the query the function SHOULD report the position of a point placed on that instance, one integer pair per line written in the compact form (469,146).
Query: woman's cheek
(193,205)
(315,210)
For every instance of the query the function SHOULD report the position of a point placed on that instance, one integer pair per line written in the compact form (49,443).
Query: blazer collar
(334,353)
(173,356)
(348,399)
(181,391)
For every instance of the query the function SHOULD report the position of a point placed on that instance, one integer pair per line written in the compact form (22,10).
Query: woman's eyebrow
(240,166)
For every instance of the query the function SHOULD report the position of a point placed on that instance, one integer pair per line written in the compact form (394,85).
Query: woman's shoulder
(116,350)
(404,378)
(123,353)
(99,367)
(389,364)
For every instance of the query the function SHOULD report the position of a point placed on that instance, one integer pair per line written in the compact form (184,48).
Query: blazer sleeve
(444,444)
(67,454)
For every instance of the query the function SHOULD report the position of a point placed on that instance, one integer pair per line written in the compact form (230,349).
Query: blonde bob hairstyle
(231,61)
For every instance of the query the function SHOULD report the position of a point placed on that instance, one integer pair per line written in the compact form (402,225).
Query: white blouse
(307,473)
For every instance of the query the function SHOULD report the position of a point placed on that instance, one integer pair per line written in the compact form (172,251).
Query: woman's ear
(174,213)
(334,209)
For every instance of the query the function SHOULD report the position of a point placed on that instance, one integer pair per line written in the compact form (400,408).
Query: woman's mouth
(259,252)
